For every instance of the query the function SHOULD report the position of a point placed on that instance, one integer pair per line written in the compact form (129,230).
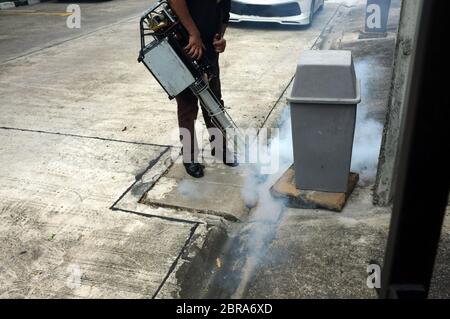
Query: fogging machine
(163,39)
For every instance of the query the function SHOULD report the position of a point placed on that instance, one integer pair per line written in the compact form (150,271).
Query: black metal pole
(422,188)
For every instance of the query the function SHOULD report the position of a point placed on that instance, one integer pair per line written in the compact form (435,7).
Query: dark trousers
(187,104)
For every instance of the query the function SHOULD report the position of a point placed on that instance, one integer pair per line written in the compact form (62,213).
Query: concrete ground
(85,133)
(31,28)
(314,253)
(317,254)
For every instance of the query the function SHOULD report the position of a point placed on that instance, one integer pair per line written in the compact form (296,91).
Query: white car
(294,12)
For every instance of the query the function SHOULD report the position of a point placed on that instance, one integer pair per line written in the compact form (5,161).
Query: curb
(17,3)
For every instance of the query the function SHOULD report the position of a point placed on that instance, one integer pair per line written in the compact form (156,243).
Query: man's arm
(195,47)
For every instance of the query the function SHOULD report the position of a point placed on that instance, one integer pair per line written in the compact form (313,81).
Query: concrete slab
(46,23)
(129,201)
(318,254)
(55,220)
(320,258)
(217,193)
(117,255)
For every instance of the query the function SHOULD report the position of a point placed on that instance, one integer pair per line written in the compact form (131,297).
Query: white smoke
(366,147)
(189,189)
(368,132)
(256,188)
(256,192)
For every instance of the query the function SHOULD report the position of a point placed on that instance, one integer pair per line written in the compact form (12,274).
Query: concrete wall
(387,173)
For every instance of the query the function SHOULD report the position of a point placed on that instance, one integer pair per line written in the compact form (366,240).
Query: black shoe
(194,169)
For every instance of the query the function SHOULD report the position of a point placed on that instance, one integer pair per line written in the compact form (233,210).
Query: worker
(206,22)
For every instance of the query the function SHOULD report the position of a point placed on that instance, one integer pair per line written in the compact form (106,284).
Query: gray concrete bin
(323,103)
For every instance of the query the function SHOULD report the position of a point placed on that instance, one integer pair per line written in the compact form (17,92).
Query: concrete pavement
(31,28)
(84,127)
(85,132)
(317,254)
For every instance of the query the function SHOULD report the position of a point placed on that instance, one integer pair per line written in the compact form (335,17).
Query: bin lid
(325,77)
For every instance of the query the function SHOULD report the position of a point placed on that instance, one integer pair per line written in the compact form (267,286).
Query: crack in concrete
(86,136)
(206,212)
(170,219)
(139,176)
(174,264)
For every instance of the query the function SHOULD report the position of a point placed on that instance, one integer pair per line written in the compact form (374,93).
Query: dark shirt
(209,15)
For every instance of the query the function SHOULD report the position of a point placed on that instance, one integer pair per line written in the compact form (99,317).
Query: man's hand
(219,43)
(195,47)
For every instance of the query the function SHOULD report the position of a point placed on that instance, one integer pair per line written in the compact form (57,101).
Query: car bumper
(301,19)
